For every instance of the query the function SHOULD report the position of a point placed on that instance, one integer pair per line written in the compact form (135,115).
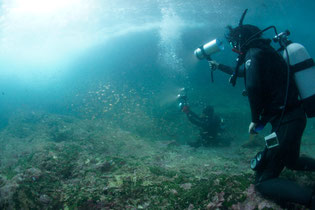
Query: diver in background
(210,124)
(265,75)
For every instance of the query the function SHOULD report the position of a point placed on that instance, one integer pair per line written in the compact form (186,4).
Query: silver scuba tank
(205,51)
(303,70)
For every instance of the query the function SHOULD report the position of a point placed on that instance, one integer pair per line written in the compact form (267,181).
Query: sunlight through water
(39,35)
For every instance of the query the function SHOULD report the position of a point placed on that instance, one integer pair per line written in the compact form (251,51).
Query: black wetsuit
(266,82)
(209,126)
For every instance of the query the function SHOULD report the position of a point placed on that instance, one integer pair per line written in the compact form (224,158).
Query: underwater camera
(182,98)
(205,51)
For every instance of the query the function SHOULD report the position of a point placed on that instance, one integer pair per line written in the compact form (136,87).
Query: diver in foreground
(210,124)
(276,96)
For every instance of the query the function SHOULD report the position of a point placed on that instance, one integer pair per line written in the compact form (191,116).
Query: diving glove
(213,65)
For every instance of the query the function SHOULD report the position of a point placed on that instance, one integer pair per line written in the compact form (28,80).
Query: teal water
(99,79)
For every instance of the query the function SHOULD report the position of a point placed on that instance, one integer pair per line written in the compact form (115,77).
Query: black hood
(263,44)
(242,34)
(258,43)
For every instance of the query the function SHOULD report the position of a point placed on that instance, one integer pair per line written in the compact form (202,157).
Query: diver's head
(240,35)
(208,111)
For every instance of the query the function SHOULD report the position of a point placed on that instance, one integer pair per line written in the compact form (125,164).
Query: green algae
(162,188)
(75,176)
(159,171)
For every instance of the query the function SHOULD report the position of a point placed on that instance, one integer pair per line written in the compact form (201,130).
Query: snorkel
(241,54)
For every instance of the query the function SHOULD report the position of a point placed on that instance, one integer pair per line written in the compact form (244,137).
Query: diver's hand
(213,65)
(252,127)
(185,109)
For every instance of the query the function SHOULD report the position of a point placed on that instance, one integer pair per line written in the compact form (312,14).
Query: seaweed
(99,171)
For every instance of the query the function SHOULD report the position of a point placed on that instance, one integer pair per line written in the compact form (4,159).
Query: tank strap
(302,65)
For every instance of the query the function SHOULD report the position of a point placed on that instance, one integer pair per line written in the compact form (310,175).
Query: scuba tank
(302,69)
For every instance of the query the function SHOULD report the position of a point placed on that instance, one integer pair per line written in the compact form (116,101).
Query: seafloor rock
(8,190)
(2,180)
(6,195)
(254,201)
(19,178)
(33,173)
(60,135)
(105,166)
(45,199)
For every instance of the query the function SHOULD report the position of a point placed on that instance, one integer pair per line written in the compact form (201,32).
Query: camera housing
(272,140)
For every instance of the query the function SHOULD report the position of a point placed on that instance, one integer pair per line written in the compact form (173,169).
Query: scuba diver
(275,97)
(210,124)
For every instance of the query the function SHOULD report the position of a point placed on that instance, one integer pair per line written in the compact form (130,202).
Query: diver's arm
(224,68)
(230,71)
(194,119)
